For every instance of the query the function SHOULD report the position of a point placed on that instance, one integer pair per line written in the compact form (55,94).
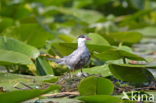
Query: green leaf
(132,20)
(126,37)
(87,16)
(115,53)
(103,52)
(67,38)
(9,80)
(95,86)
(97,39)
(66,48)
(43,66)
(11,57)
(22,95)
(55,100)
(147,31)
(100,70)
(18,46)
(52,80)
(108,55)
(139,4)
(32,34)
(131,73)
(61,50)
(5,23)
(100,99)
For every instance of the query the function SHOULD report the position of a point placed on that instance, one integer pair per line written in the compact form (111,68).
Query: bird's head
(83,38)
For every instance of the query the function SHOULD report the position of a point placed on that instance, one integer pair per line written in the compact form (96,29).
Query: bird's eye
(81,36)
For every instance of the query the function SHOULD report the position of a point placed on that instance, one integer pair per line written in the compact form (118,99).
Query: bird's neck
(81,44)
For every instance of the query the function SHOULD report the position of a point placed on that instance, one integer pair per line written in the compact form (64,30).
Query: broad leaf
(103,52)
(100,70)
(139,4)
(147,31)
(11,57)
(115,53)
(43,67)
(126,37)
(22,95)
(9,80)
(32,34)
(18,46)
(95,86)
(131,73)
(87,16)
(67,38)
(97,39)
(66,48)
(5,23)
(100,99)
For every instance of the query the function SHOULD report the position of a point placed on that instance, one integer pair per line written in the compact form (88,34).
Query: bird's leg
(73,70)
(82,73)
(70,76)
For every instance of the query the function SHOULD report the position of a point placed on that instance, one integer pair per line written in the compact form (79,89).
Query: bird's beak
(88,38)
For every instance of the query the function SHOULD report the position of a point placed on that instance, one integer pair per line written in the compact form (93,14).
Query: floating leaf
(67,38)
(5,23)
(100,99)
(32,34)
(139,4)
(67,48)
(97,39)
(11,57)
(8,80)
(18,46)
(126,37)
(131,73)
(84,15)
(100,70)
(115,53)
(102,52)
(43,66)
(95,86)
(22,95)
(147,31)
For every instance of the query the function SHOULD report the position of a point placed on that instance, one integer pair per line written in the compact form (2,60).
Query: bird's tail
(59,61)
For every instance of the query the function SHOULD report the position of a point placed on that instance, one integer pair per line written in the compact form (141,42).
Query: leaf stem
(8,69)
(124,60)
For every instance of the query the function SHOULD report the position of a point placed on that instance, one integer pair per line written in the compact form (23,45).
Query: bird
(79,57)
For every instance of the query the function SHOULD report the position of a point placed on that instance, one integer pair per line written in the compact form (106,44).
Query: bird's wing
(66,59)
(59,61)
(74,57)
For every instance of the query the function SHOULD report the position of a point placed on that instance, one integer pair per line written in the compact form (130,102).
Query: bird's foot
(82,74)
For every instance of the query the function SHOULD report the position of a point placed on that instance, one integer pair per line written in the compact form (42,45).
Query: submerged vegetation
(32,31)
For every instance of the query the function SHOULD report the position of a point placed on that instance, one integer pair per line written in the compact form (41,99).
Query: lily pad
(66,48)
(24,94)
(32,34)
(11,44)
(100,99)
(100,70)
(148,31)
(5,22)
(95,86)
(87,16)
(43,67)
(131,73)
(97,39)
(126,37)
(115,53)
(9,80)
(11,57)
